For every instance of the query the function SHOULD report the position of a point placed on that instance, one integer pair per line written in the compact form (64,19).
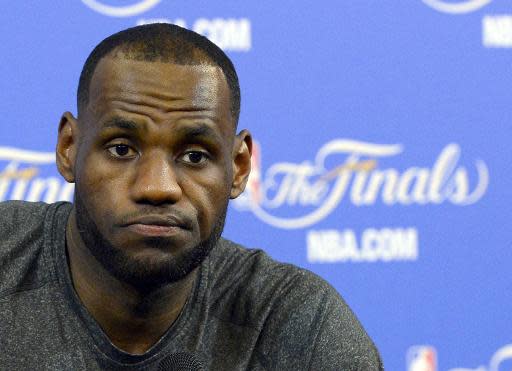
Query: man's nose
(156,180)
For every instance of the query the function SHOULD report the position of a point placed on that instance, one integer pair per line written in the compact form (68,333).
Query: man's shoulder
(22,235)
(258,283)
(298,315)
(231,256)
(15,207)
(18,218)
(252,267)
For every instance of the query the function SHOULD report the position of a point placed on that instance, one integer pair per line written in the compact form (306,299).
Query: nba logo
(421,358)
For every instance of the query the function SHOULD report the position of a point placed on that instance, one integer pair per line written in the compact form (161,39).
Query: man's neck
(133,320)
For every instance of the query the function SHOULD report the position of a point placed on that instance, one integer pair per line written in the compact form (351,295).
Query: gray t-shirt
(245,312)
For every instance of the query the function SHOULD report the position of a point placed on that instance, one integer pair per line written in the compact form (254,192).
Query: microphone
(180,362)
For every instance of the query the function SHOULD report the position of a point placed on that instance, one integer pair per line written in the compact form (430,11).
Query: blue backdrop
(383,160)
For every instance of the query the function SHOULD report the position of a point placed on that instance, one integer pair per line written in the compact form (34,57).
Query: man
(134,274)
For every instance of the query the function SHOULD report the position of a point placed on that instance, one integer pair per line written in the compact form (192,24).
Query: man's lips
(156,226)
(150,230)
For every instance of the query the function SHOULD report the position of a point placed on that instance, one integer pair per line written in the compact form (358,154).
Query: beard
(145,274)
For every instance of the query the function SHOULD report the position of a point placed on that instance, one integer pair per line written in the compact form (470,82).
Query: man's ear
(67,143)
(242,150)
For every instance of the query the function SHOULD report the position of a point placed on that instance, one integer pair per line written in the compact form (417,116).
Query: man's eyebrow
(199,131)
(188,132)
(120,123)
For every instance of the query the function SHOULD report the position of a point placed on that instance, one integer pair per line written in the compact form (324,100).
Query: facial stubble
(144,274)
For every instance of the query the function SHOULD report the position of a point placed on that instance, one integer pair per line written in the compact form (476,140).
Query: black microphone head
(180,362)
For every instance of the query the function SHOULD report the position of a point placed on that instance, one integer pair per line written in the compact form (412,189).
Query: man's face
(154,167)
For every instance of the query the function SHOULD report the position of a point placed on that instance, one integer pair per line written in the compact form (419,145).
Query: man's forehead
(204,81)
(165,86)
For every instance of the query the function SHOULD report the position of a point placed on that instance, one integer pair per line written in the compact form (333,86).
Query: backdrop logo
(500,361)
(297,195)
(456,7)
(135,8)
(421,358)
(21,177)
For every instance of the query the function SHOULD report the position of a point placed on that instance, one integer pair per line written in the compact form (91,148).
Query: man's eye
(121,150)
(195,157)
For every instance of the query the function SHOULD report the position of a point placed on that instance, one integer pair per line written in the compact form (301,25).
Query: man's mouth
(156,226)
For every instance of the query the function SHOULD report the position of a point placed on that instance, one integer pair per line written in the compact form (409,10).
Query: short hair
(161,42)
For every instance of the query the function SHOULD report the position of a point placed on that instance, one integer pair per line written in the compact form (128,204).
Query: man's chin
(151,268)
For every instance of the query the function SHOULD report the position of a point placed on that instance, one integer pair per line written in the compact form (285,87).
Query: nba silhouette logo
(421,358)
